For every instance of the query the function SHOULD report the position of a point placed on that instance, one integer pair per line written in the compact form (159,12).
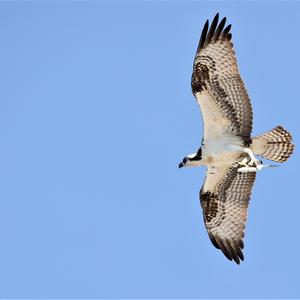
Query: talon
(255,163)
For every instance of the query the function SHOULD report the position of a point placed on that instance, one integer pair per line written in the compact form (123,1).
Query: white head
(192,160)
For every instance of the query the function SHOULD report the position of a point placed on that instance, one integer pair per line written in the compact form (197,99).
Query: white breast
(223,149)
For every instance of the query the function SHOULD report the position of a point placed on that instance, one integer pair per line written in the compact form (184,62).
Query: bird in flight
(227,149)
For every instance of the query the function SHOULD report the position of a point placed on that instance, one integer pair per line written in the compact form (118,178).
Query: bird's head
(192,160)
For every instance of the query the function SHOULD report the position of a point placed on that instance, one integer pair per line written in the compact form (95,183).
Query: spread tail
(275,144)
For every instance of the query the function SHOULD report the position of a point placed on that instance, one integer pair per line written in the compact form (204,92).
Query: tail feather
(275,144)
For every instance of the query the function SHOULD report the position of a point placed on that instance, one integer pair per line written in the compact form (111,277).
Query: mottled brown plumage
(216,72)
(224,199)
(227,148)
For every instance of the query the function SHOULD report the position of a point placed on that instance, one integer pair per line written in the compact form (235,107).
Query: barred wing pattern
(224,199)
(217,85)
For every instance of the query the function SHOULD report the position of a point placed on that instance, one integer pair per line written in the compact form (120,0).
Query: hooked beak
(180,165)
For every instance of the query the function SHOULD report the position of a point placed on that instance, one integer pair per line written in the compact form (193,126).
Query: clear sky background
(95,114)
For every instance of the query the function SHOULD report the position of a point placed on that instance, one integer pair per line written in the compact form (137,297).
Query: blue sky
(96,112)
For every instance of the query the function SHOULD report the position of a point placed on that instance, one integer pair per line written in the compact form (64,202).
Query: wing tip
(214,32)
(203,36)
(232,250)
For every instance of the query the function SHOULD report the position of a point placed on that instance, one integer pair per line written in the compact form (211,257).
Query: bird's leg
(244,167)
(253,161)
(249,166)
(243,163)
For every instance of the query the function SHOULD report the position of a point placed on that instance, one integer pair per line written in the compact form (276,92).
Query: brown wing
(224,199)
(217,85)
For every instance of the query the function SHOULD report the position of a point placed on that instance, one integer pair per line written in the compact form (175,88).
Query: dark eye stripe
(198,156)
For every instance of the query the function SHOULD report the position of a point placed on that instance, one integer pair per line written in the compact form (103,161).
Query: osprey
(227,148)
